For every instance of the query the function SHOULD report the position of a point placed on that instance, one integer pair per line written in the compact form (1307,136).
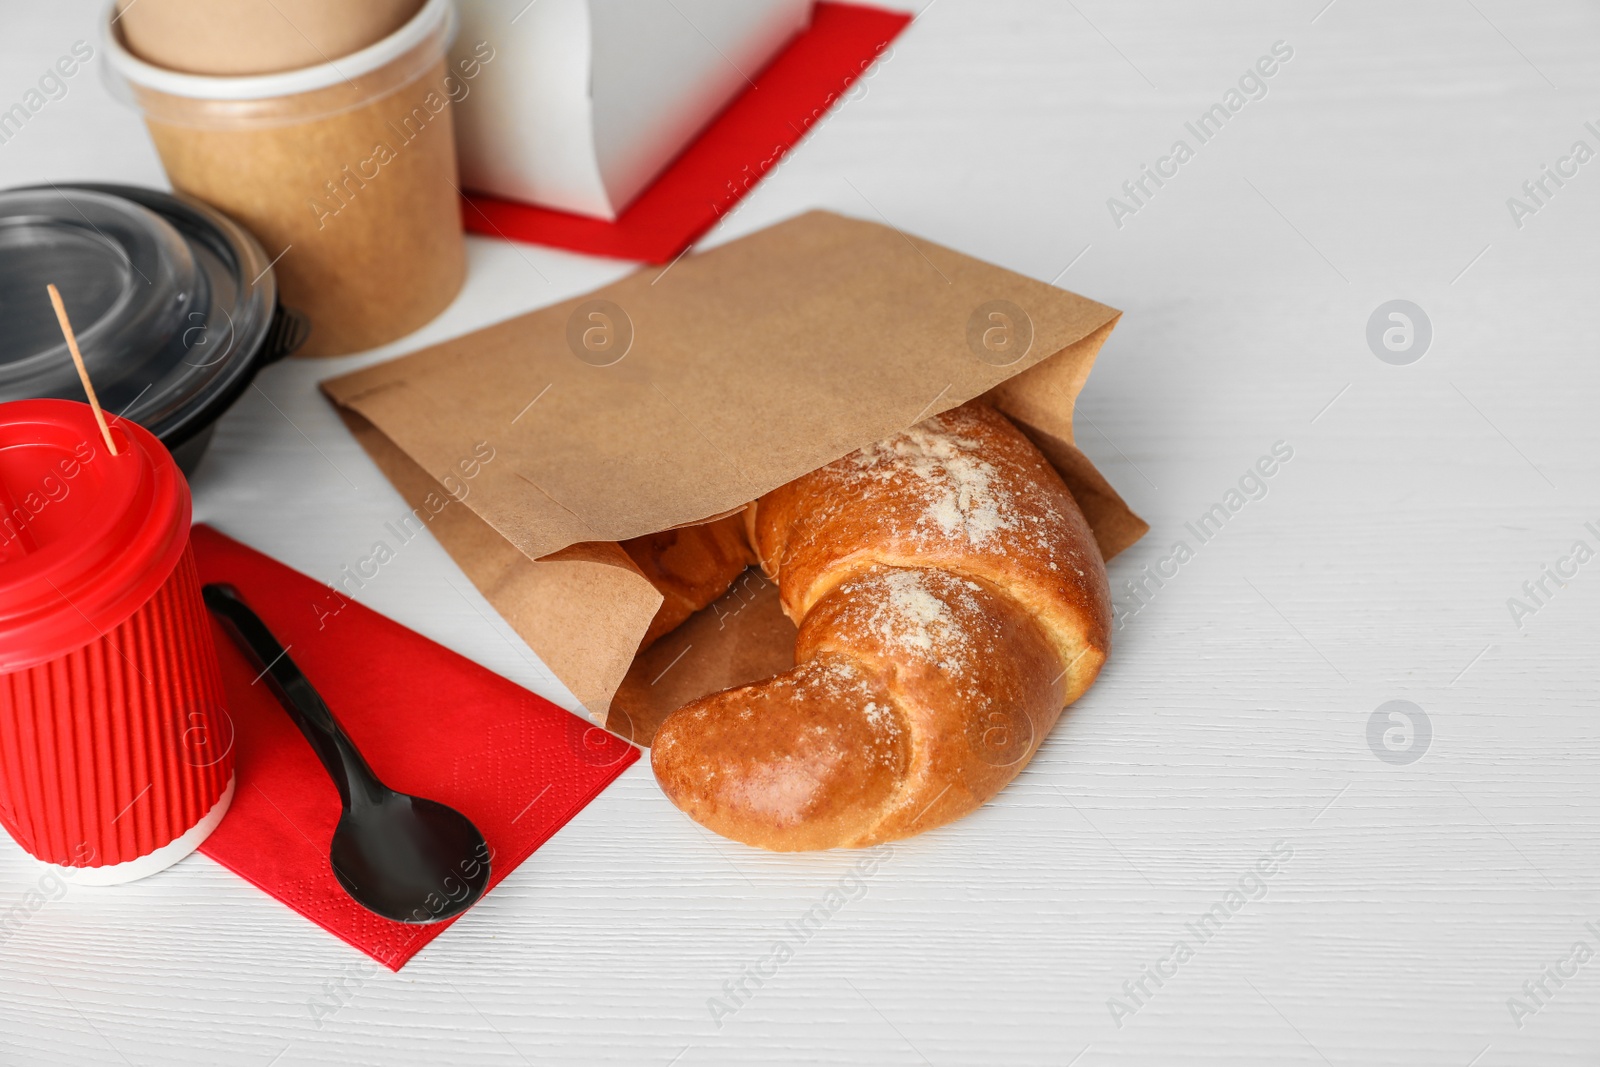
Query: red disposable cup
(116,750)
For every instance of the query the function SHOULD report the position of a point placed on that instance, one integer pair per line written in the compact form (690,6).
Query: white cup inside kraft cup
(255,36)
(345,172)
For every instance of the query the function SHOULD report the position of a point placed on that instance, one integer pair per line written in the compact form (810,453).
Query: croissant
(951,600)
(690,568)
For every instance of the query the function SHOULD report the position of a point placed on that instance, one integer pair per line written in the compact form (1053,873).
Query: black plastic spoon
(401,857)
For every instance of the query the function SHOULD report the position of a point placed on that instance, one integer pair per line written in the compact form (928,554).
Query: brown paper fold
(734,372)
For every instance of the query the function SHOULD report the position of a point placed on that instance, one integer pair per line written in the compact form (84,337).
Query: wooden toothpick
(83,372)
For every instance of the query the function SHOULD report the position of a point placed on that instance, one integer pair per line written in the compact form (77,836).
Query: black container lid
(173,303)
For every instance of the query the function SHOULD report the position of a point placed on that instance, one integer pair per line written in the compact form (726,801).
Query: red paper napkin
(430,722)
(733,153)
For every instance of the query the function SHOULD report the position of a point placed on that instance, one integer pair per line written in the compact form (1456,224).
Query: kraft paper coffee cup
(116,749)
(345,172)
(255,36)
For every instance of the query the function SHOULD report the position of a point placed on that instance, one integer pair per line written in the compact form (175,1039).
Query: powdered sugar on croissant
(951,600)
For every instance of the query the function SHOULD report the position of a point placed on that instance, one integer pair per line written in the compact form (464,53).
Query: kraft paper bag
(672,398)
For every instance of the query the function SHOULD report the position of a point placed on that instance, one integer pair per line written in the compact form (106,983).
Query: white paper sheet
(585,102)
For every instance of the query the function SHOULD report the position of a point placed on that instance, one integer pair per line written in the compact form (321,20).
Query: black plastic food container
(174,306)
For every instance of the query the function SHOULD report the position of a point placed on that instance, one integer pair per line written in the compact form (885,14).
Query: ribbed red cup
(116,750)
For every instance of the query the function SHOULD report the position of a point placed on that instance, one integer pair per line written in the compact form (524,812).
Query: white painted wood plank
(1234,713)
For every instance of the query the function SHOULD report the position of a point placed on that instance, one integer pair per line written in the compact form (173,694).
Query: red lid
(86,538)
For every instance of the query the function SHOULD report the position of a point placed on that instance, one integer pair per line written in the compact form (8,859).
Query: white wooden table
(1416,898)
